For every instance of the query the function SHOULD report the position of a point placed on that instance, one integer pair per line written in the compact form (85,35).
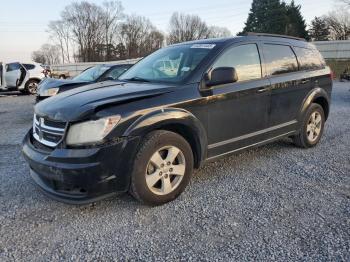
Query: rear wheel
(162,168)
(312,127)
(31,86)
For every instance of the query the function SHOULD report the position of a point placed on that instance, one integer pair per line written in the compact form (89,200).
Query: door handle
(262,90)
(305,81)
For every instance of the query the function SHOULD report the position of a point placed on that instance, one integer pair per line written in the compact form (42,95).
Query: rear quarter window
(309,59)
(29,66)
(280,59)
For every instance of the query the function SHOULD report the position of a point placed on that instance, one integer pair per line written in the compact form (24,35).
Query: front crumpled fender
(161,118)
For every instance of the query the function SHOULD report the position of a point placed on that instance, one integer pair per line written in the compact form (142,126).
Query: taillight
(333,76)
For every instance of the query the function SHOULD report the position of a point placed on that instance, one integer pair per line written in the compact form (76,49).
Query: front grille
(48,132)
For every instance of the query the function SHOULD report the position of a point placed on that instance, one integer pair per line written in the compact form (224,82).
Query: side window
(245,59)
(280,59)
(12,67)
(309,59)
(29,66)
(116,72)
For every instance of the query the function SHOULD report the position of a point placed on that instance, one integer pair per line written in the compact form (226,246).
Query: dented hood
(48,83)
(80,102)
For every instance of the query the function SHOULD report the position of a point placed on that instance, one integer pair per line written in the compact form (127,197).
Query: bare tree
(217,32)
(39,57)
(48,54)
(338,22)
(60,31)
(112,15)
(153,41)
(184,27)
(139,36)
(319,29)
(90,32)
(86,21)
(347,2)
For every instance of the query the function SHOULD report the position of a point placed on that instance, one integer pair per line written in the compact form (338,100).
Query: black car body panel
(68,84)
(88,98)
(63,84)
(215,121)
(80,175)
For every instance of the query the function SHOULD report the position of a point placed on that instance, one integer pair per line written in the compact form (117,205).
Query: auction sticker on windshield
(205,46)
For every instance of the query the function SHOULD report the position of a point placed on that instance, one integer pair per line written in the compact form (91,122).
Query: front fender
(173,118)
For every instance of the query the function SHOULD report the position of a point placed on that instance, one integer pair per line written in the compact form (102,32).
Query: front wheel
(31,86)
(162,168)
(312,127)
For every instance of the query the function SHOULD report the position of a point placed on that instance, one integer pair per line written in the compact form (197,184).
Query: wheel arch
(318,96)
(178,121)
(33,78)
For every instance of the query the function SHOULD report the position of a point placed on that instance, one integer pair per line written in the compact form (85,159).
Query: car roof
(253,37)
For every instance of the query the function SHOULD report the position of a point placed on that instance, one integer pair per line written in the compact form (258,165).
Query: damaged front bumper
(84,175)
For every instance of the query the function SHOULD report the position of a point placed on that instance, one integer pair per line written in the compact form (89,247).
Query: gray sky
(23,23)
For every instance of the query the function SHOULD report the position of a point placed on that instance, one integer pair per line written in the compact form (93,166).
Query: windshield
(92,73)
(172,64)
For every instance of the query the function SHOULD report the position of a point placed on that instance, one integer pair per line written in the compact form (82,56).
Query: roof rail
(275,35)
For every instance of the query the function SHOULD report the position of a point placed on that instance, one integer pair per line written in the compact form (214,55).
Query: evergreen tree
(275,17)
(266,16)
(319,29)
(296,25)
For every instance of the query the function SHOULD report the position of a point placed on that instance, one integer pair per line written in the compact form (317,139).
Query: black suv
(177,108)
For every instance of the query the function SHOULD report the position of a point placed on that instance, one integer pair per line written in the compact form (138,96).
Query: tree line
(89,32)
(333,26)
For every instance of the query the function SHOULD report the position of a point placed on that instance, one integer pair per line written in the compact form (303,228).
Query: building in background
(336,54)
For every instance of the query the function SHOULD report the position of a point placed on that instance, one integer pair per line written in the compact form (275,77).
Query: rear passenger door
(288,87)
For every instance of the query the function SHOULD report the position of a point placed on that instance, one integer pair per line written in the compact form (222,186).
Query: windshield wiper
(138,79)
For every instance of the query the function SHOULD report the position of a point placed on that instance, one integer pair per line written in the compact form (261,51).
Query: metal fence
(336,54)
(334,49)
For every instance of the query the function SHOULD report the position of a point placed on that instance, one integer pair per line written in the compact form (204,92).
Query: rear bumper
(80,176)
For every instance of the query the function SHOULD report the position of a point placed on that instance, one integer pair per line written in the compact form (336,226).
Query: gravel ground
(275,202)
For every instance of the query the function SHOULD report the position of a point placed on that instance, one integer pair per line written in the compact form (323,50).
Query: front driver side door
(237,112)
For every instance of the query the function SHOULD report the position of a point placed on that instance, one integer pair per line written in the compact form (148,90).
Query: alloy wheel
(32,87)
(165,170)
(314,126)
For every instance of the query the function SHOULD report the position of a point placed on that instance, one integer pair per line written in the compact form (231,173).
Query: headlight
(91,131)
(49,92)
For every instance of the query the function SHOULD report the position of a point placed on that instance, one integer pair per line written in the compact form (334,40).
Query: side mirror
(221,75)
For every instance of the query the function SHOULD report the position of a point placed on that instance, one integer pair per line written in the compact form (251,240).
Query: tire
(306,136)
(148,169)
(31,86)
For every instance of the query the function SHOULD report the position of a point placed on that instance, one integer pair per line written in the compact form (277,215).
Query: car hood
(79,103)
(53,83)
